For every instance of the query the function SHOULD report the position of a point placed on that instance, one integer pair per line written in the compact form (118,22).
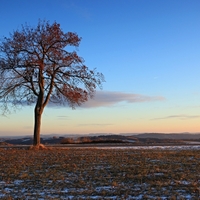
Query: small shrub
(67,141)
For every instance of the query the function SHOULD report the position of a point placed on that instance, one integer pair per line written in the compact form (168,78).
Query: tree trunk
(38,118)
(39,107)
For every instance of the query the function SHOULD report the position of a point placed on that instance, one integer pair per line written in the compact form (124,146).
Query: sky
(148,51)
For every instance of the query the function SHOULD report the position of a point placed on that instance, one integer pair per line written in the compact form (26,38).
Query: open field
(100,173)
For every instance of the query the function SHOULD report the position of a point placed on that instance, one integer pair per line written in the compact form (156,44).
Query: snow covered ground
(153,172)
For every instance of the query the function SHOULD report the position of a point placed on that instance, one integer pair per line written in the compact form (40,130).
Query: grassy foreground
(92,173)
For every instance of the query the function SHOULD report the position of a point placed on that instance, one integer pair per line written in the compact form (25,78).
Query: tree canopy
(36,67)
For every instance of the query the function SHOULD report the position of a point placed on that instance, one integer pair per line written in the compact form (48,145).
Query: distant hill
(29,140)
(178,136)
(134,139)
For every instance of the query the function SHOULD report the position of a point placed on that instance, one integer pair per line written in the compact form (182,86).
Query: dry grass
(39,147)
(90,173)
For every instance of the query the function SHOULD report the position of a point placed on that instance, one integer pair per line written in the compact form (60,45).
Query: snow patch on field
(182,147)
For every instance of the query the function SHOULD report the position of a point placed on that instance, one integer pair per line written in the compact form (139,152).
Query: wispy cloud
(62,117)
(181,117)
(94,125)
(108,98)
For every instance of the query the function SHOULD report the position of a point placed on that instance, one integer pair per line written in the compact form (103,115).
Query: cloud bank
(108,98)
(181,117)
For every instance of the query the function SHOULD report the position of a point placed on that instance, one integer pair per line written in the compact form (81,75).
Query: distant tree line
(95,139)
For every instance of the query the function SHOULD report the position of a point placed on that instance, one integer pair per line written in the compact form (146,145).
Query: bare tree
(36,67)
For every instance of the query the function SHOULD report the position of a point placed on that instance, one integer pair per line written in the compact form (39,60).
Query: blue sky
(149,52)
